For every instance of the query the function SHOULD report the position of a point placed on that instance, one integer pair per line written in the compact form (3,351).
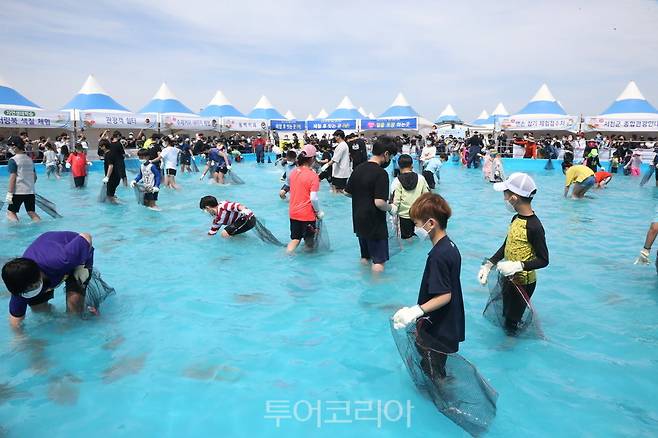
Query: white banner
(613,124)
(567,123)
(34,119)
(191,123)
(242,124)
(92,120)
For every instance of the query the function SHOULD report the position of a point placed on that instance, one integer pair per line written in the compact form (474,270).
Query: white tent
(542,113)
(264,110)
(323,114)
(630,112)
(10,98)
(362,112)
(289,115)
(220,106)
(448,115)
(309,117)
(345,111)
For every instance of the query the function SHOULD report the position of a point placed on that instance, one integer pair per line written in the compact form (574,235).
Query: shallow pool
(213,337)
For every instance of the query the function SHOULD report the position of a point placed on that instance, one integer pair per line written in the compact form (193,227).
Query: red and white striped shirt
(227,213)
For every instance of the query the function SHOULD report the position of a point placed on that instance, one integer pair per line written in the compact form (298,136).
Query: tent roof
(92,97)
(289,115)
(265,110)
(543,103)
(165,102)
(220,106)
(10,98)
(500,110)
(309,117)
(630,101)
(323,114)
(400,108)
(345,110)
(482,119)
(448,115)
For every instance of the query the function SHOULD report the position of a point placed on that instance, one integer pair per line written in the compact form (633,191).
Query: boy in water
(524,249)
(304,207)
(580,176)
(149,174)
(288,165)
(77,162)
(22,178)
(50,159)
(235,217)
(170,156)
(432,173)
(406,188)
(440,304)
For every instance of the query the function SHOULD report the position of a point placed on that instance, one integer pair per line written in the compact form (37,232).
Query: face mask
(385,164)
(509,206)
(421,232)
(34,292)
(144,161)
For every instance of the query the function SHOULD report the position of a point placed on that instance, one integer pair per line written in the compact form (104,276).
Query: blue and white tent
(289,115)
(323,114)
(399,108)
(93,98)
(482,120)
(265,111)
(220,106)
(10,98)
(345,111)
(542,113)
(164,102)
(309,117)
(448,115)
(363,112)
(630,112)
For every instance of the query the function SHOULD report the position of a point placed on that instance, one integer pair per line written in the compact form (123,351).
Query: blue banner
(319,125)
(382,124)
(287,125)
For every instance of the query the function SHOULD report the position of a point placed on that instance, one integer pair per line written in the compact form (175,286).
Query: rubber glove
(81,274)
(643,258)
(406,316)
(319,214)
(155,189)
(325,167)
(394,210)
(228,167)
(9,198)
(105,180)
(246,212)
(508,268)
(133,183)
(483,274)
(68,165)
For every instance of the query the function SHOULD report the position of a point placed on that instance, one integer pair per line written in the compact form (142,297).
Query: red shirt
(258,142)
(78,162)
(600,176)
(303,181)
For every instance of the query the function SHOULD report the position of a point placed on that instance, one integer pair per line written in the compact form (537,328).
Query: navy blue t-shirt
(441,276)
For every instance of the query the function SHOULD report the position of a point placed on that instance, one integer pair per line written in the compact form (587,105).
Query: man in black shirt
(475,146)
(358,153)
(368,187)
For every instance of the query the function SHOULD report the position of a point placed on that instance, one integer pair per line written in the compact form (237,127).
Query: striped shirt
(227,213)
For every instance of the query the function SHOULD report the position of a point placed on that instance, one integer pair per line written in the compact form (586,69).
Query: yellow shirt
(577,173)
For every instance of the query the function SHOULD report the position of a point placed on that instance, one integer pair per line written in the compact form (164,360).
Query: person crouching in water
(77,162)
(150,176)
(406,188)
(580,176)
(439,313)
(432,170)
(233,216)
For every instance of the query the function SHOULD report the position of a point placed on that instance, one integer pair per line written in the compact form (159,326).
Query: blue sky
(307,55)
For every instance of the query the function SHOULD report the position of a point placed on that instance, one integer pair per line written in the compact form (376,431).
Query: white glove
(643,259)
(508,268)
(9,198)
(483,274)
(406,316)
(228,166)
(319,214)
(155,189)
(201,177)
(325,167)
(246,212)
(105,180)
(394,210)
(68,165)
(133,184)
(89,163)
(81,274)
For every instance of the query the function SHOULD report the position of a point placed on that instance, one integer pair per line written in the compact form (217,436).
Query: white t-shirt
(341,159)
(170,157)
(428,153)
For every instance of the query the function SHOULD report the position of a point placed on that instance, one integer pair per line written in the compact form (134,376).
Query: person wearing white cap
(523,251)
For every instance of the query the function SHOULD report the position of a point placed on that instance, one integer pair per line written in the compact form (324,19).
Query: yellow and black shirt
(525,243)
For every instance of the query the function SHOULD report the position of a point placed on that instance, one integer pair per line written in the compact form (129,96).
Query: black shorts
(374,249)
(429,177)
(171,172)
(241,225)
(302,230)
(18,200)
(339,183)
(185,160)
(285,188)
(150,196)
(406,228)
(71,285)
(79,181)
(223,169)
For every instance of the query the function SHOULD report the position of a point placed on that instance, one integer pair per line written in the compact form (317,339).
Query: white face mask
(33,292)
(509,206)
(421,232)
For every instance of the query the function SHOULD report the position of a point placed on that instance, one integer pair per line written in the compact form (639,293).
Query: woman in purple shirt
(53,258)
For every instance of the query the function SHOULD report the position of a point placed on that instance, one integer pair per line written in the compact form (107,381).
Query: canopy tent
(290,116)
(220,106)
(498,113)
(264,110)
(362,112)
(399,108)
(309,117)
(482,120)
(164,102)
(371,115)
(345,111)
(12,99)
(542,113)
(323,114)
(400,116)
(93,98)
(448,115)
(630,112)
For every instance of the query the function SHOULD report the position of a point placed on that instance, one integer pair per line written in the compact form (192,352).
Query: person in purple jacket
(53,258)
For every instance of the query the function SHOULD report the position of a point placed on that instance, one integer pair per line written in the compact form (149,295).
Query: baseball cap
(309,150)
(518,183)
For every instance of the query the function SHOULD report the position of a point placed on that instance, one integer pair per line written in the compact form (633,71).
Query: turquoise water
(204,331)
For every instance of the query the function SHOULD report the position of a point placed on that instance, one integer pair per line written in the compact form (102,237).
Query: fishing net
(394,239)
(509,307)
(454,384)
(266,235)
(193,165)
(233,178)
(648,175)
(97,291)
(102,196)
(549,165)
(139,190)
(322,243)
(49,207)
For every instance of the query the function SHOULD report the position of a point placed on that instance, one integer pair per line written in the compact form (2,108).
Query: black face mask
(385,164)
